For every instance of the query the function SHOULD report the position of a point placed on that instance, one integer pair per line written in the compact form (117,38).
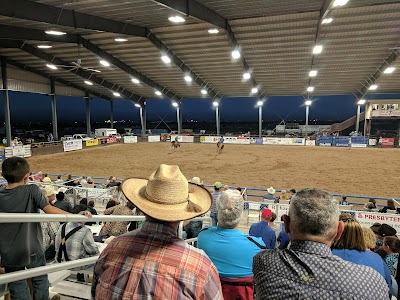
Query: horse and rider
(220,144)
(175,143)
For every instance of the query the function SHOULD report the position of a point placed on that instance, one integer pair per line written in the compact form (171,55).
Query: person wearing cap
(263,230)
(50,194)
(230,249)
(308,269)
(153,262)
(215,195)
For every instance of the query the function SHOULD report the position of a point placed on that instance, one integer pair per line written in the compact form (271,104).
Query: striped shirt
(153,263)
(215,195)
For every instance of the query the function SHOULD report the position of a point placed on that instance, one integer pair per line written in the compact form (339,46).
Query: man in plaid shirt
(152,262)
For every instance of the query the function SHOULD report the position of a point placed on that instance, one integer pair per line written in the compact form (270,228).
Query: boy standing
(21,244)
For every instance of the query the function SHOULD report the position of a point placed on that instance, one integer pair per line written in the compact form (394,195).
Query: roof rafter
(55,78)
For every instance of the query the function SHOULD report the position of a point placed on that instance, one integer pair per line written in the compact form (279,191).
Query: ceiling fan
(77,64)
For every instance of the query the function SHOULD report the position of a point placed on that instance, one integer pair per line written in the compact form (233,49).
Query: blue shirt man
(263,230)
(221,139)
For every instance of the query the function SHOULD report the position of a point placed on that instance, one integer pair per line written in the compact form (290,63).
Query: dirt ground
(372,172)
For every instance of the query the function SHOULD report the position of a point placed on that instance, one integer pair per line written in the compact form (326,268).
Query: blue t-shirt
(264,231)
(366,258)
(230,250)
(221,139)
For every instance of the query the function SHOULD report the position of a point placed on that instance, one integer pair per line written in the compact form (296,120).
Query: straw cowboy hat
(271,190)
(196,180)
(167,195)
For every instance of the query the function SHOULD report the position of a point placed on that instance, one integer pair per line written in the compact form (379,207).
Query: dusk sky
(35,107)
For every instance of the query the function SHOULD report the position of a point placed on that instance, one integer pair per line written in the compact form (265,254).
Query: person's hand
(86,213)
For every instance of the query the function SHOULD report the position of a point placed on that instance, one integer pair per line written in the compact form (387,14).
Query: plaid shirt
(153,263)
(116,228)
(79,245)
(49,231)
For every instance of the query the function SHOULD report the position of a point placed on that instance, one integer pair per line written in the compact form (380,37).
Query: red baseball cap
(266,213)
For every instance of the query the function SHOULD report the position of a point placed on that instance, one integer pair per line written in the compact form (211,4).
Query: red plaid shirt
(153,263)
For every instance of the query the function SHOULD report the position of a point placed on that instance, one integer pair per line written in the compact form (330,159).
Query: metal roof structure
(275,39)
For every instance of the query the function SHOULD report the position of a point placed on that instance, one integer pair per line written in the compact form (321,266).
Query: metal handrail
(37,218)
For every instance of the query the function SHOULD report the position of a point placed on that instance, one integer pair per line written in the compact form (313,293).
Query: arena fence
(35,218)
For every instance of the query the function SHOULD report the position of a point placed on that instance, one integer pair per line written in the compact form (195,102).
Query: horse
(220,147)
(175,145)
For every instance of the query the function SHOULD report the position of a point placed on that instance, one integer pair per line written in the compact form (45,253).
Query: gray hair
(230,208)
(314,212)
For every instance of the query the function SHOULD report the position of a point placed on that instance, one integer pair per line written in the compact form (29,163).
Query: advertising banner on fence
(93,142)
(310,142)
(359,141)
(18,151)
(153,138)
(130,139)
(111,140)
(388,142)
(209,139)
(183,138)
(283,141)
(227,140)
(324,141)
(341,141)
(72,145)
(372,142)
(368,219)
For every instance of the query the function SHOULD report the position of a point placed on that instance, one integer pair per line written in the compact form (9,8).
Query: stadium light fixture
(175,104)
(165,58)
(373,87)
(137,105)
(254,90)
(235,54)
(246,75)
(216,103)
(327,21)
(158,93)
(389,70)
(176,19)
(204,91)
(88,82)
(260,103)
(134,80)
(105,63)
(121,40)
(188,78)
(310,89)
(50,66)
(213,31)
(313,73)
(340,3)
(317,49)
(44,46)
(308,103)
(116,94)
(55,32)
(361,102)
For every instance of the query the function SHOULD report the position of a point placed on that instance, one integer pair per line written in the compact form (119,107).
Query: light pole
(359,103)
(142,117)
(307,104)
(178,115)
(260,107)
(216,105)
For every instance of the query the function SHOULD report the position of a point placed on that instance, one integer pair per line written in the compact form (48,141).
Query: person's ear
(339,230)
(286,221)
(26,177)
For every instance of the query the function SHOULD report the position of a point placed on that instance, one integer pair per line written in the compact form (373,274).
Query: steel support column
(307,113)
(179,117)
(88,125)
(54,109)
(217,119)
(260,109)
(112,113)
(143,118)
(7,119)
(358,117)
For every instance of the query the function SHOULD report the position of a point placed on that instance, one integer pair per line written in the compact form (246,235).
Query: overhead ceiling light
(260,103)
(308,102)
(254,90)
(235,54)
(246,75)
(53,67)
(216,103)
(176,19)
(165,59)
(174,104)
(310,89)
(120,40)
(340,3)
(317,49)
(137,105)
(116,94)
(188,78)
(213,31)
(44,46)
(373,87)
(313,73)
(134,80)
(361,102)
(327,21)
(158,93)
(88,82)
(105,63)
(389,70)
(55,32)
(204,91)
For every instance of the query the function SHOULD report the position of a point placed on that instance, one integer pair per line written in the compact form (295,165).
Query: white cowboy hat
(62,189)
(167,195)
(196,180)
(271,190)
(50,191)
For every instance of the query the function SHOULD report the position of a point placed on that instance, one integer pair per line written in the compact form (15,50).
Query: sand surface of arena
(374,172)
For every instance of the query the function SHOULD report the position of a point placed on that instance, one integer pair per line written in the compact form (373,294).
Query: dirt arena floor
(373,172)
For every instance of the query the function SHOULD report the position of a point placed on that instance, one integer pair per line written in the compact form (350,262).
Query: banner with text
(111,140)
(130,139)
(283,141)
(93,142)
(153,138)
(183,138)
(18,150)
(388,142)
(227,140)
(367,219)
(72,145)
